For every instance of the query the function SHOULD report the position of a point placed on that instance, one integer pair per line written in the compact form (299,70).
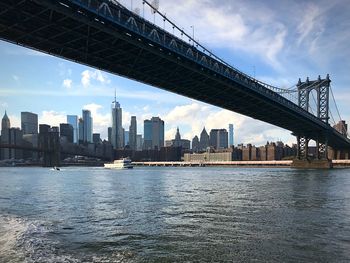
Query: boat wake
(31,241)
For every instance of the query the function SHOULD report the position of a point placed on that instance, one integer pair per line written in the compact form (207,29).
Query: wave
(29,241)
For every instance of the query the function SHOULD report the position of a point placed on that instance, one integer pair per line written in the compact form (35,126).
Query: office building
(117,129)
(109,134)
(204,140)
(67,132)
(87,126)
(153,134)
(230,135)
(5,129)
(81,130)
(126,137)
(178,142)
(133,133)
(96,138)
(29,123)
(195,144)
(73,120)
(139,142)
(218,138)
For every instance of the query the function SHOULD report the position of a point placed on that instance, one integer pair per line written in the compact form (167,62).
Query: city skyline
(295,54)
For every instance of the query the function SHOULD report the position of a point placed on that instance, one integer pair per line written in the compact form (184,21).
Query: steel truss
(321,86)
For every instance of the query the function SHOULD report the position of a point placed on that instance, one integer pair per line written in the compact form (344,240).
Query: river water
(174,215)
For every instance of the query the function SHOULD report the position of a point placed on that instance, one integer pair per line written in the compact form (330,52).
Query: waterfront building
(87,126)
(133,133)
(29,123)
(247,152)
(218,138)
(195,144)
(139,142)
(230,135)
(153,133)
(117,129)
(73,120)
(67,131)
(204,140)
(209,156)
(178,142)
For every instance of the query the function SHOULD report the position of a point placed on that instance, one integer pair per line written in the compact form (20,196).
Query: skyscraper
(73,120)
(204,140)
(109,131)
(5,130)
(81,130)
(87,126)
(218,138)
(230,135)
(29,123)
(126,138)
(195,144)
(5,123)
(153,133)
(117,129)
(139,142)
(67,131)
(133,133)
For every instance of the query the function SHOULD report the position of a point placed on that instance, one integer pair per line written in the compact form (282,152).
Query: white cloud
(52,118)
(67,83)
(193,117)
(310,20)
(88,75)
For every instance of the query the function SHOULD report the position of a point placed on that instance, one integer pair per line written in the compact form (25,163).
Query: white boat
(124,163)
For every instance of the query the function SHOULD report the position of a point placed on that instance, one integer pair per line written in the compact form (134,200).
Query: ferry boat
(124,163)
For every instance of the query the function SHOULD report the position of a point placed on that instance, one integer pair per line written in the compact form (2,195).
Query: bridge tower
(321,87)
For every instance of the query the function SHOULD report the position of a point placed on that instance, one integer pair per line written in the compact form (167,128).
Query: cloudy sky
(276,41)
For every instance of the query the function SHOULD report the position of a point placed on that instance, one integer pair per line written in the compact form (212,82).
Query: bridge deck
(109,37)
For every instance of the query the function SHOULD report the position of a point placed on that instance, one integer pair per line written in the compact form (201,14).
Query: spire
(5,123)
(177,136)
(115,94)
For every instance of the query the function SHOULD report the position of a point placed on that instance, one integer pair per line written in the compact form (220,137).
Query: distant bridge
(78,151)
(105,35)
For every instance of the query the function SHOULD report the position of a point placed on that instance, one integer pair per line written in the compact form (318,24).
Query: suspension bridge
(106,35)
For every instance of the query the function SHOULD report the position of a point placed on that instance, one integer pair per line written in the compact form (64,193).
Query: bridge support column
(320,160)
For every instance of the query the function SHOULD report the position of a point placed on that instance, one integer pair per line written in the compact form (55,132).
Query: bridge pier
(320,159)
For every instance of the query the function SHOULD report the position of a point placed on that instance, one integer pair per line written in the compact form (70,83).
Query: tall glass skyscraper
(87,126)
(117,128)
(29,123)
(153,133)
(73,120)
(230,135)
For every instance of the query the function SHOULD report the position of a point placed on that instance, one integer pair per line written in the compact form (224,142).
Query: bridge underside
(64,31)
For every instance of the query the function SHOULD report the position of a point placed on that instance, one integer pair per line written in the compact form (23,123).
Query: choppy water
(174,215)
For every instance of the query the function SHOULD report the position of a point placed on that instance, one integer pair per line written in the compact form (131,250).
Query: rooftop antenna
(115,95)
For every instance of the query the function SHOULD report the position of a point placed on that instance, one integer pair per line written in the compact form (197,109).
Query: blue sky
(277,41)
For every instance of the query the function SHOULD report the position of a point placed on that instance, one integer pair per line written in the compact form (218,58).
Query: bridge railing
(111,11)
